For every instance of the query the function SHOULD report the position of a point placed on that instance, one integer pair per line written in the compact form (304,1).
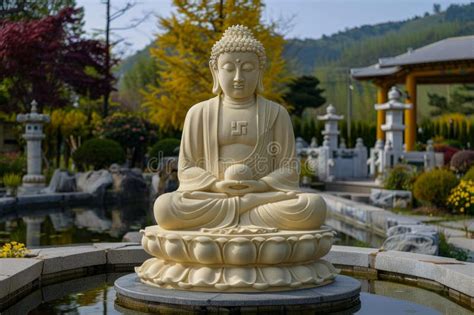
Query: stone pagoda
(34,180)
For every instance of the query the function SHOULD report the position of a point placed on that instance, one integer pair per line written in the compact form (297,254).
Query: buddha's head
(237,63)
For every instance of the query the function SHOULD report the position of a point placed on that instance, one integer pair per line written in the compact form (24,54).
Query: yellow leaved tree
(182,52)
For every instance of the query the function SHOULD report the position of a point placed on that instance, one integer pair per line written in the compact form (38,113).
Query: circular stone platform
(342,295)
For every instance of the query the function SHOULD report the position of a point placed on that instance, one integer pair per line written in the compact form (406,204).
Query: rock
(133,237)
(128,181)
(62,181)
(137,171)
(172,182)
(418,238)
(390,198)
(414,243)
(155,182)
(414,229)
(166,180)
(94,182)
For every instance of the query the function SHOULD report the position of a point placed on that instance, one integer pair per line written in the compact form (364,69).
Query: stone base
(30,189)
(342,295)
(243,260)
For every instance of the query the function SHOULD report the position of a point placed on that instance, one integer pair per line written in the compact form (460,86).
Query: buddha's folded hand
(240,187)
(203,195)
(255,185)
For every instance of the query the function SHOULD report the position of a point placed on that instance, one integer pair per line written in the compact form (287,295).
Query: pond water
(74,225)
(96,295)
(109,223)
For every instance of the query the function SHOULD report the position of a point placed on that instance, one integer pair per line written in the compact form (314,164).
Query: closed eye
(229,67)
(248,66)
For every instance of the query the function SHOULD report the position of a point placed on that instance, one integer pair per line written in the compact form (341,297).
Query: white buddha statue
(237,163)
(237,221)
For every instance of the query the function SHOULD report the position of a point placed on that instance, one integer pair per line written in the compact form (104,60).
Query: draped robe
(272,160)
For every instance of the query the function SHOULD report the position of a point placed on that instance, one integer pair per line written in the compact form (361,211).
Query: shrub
(449,250)
(163,148)
(98,153)
(131,131)
(167,147)
(462,161)
(434,187)
(12,180)
(128,130)
(461,199)
(469,175)
(400,177)
(453,143)
(12,163)
(447,150)
(306,169)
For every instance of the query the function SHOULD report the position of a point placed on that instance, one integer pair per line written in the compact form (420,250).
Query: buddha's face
(238,74)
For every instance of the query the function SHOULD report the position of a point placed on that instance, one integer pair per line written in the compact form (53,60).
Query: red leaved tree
(47,59)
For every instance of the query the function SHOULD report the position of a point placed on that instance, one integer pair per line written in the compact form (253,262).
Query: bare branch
(122,11)
(135,23)
(118,41)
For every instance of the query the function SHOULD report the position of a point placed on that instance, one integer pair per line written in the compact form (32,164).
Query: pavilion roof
(447,50)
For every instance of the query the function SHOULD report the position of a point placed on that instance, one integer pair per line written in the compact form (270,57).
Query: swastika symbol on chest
(239,127)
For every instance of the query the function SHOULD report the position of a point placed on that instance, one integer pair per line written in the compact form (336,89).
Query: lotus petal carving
(263,249)
(194,260)
(245,278)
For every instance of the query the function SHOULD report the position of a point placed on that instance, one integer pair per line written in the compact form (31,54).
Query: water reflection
(352,235)
(96,295)
(62,221)
(85,224)
(33,230)
(110,222)
(88,295)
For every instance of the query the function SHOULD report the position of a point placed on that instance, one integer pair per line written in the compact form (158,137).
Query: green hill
(331,57)
(363,45)
(134,74)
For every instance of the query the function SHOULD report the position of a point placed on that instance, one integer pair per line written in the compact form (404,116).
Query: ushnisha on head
(237,63)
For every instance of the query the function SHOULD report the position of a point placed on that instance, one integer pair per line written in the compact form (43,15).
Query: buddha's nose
(238,78)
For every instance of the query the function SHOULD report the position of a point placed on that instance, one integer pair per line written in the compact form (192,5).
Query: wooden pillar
(410,114)
(382,97)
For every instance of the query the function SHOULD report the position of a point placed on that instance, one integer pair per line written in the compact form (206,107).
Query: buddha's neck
(238,103)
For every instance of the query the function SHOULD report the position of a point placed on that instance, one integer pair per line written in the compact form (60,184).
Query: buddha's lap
(306,211)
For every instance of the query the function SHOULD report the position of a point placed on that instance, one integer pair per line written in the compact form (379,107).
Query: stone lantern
(393,126)
(330,126)
(34,180)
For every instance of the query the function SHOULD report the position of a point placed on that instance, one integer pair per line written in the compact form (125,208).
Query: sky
(307,18)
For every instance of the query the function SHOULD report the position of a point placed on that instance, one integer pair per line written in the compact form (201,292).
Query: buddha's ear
(260,82)
(216,88)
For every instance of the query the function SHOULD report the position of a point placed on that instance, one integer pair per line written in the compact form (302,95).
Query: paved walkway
(467,224)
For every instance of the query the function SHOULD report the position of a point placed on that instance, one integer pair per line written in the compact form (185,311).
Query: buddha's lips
(238,86)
